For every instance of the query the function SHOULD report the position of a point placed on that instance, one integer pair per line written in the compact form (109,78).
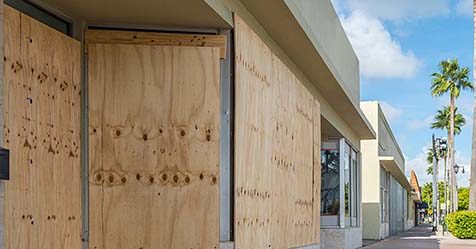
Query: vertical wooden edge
(2,123)
(317,169)
(2,98)
(156,38)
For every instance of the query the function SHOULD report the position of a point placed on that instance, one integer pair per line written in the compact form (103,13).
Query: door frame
(226,122)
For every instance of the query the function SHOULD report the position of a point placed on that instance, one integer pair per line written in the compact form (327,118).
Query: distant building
(386,192)
(419,208)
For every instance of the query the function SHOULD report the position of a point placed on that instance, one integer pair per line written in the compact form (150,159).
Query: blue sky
(399,44)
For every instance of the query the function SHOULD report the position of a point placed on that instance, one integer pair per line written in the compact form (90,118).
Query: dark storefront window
(340,189)
(330,204)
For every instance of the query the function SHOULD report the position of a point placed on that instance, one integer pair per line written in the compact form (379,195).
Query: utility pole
(435,184)
(439,146)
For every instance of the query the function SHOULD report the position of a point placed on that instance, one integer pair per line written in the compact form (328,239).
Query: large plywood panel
(154,146)
(275,189)
(42,126)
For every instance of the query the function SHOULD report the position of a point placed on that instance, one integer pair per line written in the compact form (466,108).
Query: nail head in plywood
(153,38)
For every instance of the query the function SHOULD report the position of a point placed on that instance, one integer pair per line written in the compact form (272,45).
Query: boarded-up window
(42,131)
(154,139)
(277,150)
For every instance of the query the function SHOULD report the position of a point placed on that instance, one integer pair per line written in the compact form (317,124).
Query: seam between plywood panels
(155,38)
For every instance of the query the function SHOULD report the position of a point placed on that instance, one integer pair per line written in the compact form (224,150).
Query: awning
(391,165)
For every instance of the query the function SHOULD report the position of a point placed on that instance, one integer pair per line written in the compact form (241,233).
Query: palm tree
(451,79)
(442,122)
(472,179)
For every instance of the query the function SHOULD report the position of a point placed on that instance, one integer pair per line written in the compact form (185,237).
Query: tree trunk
(472,179)
(445,172)
(451,151)
(450,196)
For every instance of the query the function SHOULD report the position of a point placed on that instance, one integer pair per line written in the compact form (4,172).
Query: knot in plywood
(16,66)
(108,178)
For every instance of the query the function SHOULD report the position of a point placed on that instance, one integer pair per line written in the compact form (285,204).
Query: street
(422,237)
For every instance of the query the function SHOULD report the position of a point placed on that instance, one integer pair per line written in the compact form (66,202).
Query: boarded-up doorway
(42,131)
(154,125)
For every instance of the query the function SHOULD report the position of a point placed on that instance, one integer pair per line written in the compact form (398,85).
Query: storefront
(340,193)
(180,124)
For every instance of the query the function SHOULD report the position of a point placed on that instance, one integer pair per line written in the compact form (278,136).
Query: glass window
(351,187)
(330,178)
(334,193)
(347,186)
(355,188)
(384,196)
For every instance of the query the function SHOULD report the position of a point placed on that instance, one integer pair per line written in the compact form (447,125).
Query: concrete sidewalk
(422,237)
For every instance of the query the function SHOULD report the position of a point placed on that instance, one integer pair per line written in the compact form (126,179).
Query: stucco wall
(384,145)
(337,238)
(371,216)
(370,178)
(388,145)
(317,18)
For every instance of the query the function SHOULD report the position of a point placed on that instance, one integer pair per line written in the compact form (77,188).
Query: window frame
(40,13)
(341,220)
(384,195)
(331,220)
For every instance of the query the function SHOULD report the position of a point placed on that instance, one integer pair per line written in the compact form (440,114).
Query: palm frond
(443,117)
(451,79)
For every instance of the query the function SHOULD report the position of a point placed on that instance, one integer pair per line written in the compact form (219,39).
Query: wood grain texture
(42,123)
(154,146)
(160,39)
(274,150)
(317,171)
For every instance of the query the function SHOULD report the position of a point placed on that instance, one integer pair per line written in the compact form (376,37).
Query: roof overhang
(140,13)
(391,165)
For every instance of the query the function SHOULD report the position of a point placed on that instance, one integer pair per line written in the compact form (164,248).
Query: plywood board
(153,38)
(154,146)
(42,123)
(275,189)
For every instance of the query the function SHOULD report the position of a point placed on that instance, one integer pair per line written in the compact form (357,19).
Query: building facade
(386,192)
(416,200)
(180,124)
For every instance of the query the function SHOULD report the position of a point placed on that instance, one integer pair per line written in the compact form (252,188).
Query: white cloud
(466,105)
(464,7)
(379,54)
(419,164)
(391,112)
(420,124)
(398,10)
